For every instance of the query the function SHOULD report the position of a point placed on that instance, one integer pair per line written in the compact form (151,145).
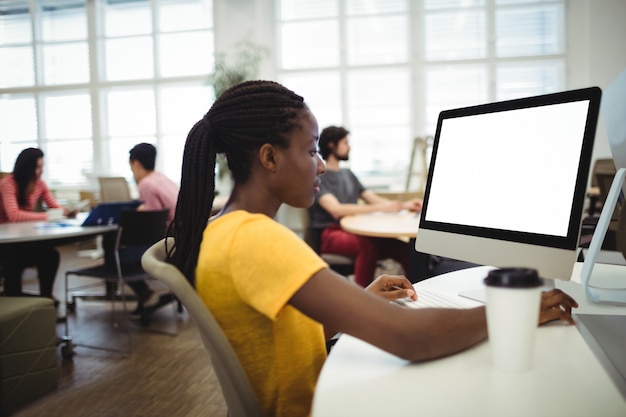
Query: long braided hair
(24,172)
(240,121)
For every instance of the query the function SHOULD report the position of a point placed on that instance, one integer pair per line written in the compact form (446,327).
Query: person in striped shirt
(20,194)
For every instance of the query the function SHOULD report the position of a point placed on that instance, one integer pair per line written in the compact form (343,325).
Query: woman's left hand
(413,205)
(556,305)
(70,214)
(392,287)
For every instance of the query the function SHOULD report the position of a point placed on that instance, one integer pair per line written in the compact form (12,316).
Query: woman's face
(301,166)
(39,168)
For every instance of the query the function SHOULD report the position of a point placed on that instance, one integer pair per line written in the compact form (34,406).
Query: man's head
(142,160)
(334,141)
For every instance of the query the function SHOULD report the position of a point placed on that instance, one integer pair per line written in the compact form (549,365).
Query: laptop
(604,335)
(110,212)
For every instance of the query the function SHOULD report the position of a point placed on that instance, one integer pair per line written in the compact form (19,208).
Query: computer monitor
(507,182)
(614,115)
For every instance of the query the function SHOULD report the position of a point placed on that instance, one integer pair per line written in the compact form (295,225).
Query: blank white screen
(511,170)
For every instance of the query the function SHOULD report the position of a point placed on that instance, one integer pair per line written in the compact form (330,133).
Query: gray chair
(114,189)
(236,386)
(137,231)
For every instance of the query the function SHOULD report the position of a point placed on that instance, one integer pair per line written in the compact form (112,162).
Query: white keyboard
(430,298)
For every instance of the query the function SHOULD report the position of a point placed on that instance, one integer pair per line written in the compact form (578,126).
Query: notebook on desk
(109,213)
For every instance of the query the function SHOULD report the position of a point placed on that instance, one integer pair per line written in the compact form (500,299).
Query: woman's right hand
(392,287)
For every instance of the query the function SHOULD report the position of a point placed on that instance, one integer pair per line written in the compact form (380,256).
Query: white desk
(567,379)
(24,232)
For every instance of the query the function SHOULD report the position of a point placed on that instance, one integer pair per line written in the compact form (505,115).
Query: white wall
(597,50)
(237,20)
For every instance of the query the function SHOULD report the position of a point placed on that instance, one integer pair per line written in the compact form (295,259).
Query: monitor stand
(615,296)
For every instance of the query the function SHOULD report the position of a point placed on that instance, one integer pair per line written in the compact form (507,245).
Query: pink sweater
(10,211)
(158,193)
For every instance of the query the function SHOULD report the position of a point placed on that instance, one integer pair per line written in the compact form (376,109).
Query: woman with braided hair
(275,299)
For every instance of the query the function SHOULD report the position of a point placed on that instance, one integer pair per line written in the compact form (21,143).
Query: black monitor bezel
(570,241)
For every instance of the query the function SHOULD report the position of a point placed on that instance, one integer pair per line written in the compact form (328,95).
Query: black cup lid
(513,278)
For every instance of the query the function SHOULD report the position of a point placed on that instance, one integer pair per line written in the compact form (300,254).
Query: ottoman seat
(28,358)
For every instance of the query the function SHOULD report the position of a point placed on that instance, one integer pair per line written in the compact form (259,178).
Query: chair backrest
(602,166)
(114,189)
(142,227)
(236,387)
(137,231)
(313,237)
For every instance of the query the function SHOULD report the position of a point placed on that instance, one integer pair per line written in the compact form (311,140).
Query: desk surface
(392,225)
(21,232)
(567,379)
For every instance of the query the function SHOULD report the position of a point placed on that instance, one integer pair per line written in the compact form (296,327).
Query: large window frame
(458,54)
(87,121)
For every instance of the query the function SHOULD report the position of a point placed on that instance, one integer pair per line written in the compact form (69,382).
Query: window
(351,61)
(384,69)
(486,50)
(90,79)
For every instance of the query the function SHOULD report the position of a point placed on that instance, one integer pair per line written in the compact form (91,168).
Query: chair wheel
(67,352)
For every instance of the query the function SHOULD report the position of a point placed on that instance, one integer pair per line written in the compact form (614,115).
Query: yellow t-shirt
(249,267)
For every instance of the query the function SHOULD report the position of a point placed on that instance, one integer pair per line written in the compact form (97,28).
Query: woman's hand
(70,214)
(413,205)
(392,287)
(556,305)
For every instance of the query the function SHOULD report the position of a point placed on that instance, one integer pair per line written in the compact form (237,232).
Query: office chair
(343,265)
(114,189)
(136,232)
(236,386)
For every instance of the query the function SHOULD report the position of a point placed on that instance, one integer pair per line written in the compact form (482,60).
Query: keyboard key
(430,298)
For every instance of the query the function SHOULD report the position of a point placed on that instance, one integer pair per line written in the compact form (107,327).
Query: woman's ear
(268,156)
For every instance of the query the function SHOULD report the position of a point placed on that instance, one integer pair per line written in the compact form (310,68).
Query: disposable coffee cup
(55,214)
(513,300)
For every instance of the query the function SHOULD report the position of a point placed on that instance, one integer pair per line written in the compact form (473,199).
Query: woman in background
(273,296)
(20,193)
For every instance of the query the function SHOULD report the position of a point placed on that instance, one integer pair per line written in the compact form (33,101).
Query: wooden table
(401,225)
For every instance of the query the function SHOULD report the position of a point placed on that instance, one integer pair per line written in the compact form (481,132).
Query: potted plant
(241,65)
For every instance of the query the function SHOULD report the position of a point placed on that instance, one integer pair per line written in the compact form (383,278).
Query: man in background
(339,196)
(157,192)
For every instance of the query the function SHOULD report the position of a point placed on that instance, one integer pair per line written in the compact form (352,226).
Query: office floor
(165,376)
